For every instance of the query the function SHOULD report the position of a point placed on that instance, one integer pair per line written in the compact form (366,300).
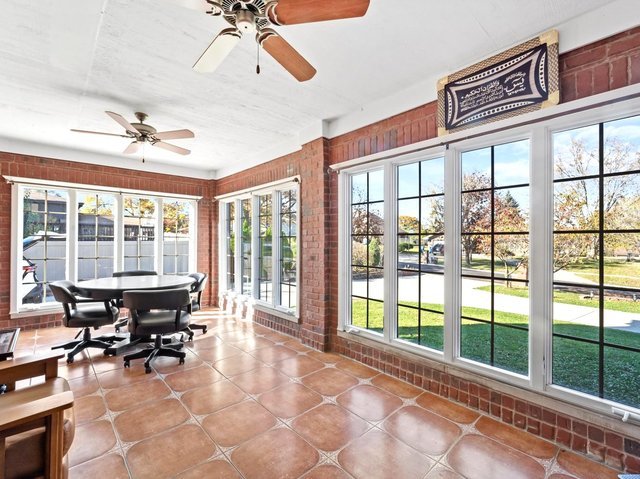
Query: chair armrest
(28,367)
(17,412)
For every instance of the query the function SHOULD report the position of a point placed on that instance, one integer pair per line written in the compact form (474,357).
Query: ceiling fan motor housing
(245,21)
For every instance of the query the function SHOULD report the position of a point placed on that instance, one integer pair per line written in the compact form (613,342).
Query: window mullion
(540,259)
(391,250)
(276,208)
(452,279)
(72,236)
(118,233)
(159,237)
(255,246)
(238,246)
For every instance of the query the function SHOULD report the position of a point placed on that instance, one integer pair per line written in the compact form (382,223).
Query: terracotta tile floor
(253,403)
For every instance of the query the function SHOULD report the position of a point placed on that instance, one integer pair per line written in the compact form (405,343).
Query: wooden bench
(42,408)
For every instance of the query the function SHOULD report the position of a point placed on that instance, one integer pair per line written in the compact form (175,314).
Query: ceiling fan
(142,133)
(249,16)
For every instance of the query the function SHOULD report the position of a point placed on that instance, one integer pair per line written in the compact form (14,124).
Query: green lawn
(567,297)
(575,363)
(617,271)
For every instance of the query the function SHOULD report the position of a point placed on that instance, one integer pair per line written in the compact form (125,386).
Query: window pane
(511,166)
(432,177)
(575,365)
(408,180)
(575,152)
(621,373)
(512,349)
(576,258)
(622,145)
(511,210)
(576,205)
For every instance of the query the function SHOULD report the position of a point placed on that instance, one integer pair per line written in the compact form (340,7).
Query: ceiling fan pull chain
(258,63)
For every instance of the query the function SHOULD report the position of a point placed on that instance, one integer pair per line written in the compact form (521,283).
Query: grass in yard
(575,364)
(567,297)
(617,271)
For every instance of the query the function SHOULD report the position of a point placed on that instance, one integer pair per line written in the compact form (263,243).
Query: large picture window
(68,231)
(516,255)
(596,260)
(267,253)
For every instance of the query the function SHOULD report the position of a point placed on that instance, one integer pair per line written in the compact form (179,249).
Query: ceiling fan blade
(133,147)
(285,54)
(174,135)
(291,12)
(218,50)
(123,123)
(99,133)
(171,148)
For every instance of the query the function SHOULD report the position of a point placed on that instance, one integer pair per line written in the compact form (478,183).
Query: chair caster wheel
(147,369)
(106,353)
(69,360)
(204,330)
(190,337)
(126,364)
(181,361)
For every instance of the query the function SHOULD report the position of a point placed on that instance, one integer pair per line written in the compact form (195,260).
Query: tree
(475,213)
(408,224)
(577,203)
(511,249)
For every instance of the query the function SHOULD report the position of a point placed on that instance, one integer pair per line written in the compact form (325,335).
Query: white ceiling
(64,62)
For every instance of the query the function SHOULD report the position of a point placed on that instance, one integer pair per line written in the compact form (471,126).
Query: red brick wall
(68,171)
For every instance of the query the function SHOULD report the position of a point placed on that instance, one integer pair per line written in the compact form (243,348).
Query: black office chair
(157,312)
(119,274)
(197,287)
(85,313)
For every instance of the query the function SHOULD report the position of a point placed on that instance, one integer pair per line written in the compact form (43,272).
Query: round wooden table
(113,288)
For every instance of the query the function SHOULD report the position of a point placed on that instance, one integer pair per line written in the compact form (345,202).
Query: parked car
(32,289)
(437,249)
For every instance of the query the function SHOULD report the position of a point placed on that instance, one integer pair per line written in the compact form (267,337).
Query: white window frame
(18,184)
(538,129)
(274,189)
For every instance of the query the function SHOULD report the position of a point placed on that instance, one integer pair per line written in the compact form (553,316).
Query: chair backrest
(62,291)
(145,300)
(135,272)
(200,282)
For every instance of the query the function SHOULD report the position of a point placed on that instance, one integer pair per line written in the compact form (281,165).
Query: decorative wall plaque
(516,81)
